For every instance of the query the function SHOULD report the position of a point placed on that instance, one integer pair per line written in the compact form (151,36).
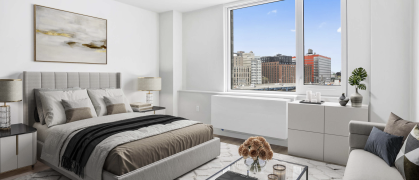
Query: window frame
(299,31)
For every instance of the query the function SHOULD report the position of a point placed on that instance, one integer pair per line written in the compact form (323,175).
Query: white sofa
(363,165)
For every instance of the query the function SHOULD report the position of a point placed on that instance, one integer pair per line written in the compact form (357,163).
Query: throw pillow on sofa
(407,161)
(384,145)
(398,126)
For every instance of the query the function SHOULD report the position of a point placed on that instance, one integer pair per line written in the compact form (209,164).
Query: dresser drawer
(337,119)
(305,144)
(336,149)
(8,154)
(306,117)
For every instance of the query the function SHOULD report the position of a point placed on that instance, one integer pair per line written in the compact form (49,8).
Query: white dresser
(320,132)
(17,147)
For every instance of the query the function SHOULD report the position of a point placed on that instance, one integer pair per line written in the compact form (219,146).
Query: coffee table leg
(307,174)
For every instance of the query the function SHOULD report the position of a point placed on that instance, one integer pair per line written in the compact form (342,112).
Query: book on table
(141,105)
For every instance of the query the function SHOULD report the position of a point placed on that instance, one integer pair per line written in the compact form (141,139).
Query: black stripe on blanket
(84,142)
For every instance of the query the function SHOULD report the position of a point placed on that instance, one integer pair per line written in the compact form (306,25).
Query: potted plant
(358,75)
(256,151)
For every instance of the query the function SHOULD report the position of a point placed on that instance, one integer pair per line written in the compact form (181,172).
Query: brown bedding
(133,155)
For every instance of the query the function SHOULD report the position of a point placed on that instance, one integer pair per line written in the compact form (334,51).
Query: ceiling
(176,5)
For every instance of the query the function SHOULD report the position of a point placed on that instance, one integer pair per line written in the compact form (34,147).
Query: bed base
(168,168)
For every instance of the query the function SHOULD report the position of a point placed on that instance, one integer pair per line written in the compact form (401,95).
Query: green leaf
(362,87)
(361,72)
(354,80)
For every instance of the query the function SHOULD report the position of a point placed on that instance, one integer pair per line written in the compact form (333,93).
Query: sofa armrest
(359,132)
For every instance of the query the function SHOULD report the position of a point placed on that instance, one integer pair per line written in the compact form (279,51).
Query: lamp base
(149,98)
(5,117)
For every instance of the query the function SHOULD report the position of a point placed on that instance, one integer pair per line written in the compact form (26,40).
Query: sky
(269,29)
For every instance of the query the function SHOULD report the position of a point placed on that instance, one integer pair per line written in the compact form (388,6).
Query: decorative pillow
(115,105)
(384,145)
(97,97)
(399,127)
(53,110)
(407,161)
(77,110)
(39,103)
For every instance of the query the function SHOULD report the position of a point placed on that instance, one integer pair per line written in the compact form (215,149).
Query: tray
(303,101)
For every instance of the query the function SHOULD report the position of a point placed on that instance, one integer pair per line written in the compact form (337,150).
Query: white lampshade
(149,83)
(10,90)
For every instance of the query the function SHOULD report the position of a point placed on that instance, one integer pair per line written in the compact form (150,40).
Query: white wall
(414,102)
(170,59)
(133,35)
(203,49)
(391,34)
(359,42)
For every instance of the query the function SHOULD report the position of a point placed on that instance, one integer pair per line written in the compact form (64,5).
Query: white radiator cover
(252,115)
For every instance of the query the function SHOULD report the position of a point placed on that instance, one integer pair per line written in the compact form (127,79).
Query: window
(322,42)
(286,46)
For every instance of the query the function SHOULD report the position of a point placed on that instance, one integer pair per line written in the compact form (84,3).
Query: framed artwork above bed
(67,37)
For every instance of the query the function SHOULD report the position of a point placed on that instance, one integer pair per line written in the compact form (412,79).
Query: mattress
(133,155)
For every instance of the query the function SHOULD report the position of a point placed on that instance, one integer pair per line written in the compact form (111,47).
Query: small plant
(358,75)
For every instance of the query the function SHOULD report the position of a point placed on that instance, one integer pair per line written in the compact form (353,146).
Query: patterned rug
(229,153)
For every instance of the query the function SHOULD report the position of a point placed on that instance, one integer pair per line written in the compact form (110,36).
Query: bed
(162,156)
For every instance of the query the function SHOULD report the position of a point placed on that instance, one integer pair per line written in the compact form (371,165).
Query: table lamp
(10,91)
(149,84)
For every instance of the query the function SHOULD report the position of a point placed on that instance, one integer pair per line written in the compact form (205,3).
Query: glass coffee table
(293,171)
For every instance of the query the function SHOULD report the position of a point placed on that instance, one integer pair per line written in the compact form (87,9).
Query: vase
(255,166)
(356,99)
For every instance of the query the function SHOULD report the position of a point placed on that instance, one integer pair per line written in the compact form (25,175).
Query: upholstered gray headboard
(57,80)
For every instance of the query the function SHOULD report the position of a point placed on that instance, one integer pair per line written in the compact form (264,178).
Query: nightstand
(17,147)
(154,110)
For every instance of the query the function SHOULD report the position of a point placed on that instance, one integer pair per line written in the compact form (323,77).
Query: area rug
(229,153)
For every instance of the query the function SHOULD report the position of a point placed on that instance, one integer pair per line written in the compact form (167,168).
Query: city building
(278,69)
(256,70)
(277,72)
(321,67)
(241,74)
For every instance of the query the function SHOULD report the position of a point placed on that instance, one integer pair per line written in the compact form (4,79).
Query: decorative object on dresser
(67,37)
(320,132)
(149,84)
(10,91)
(17,147)
(343,100)
(358,75)
(256,151)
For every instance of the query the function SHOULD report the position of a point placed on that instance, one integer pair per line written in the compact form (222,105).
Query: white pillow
(54,112)
(96,95)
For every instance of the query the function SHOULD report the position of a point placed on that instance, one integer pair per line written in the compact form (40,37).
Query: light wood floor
(41,167)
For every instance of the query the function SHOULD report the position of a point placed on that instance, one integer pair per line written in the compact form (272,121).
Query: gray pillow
(77,110)
(39,103)
(398,126)
(97,97)
(54,112)
(115,105)
(384,145)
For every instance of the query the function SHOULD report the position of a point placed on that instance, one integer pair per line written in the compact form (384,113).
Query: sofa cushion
(363,165)
(407,161)
(384,145)
(398,126)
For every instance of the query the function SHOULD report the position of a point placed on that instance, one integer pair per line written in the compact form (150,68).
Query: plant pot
(255,166)
(356,99)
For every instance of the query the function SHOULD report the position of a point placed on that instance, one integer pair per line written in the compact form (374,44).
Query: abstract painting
(62,36)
